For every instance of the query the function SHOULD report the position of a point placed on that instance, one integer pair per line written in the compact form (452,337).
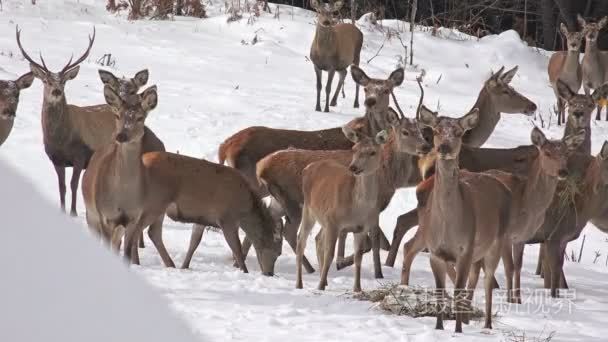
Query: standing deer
(282,172)
(9,99)
(565,66)
(72,133)
(341,199)
(464,216)
(595,61)
(334,48)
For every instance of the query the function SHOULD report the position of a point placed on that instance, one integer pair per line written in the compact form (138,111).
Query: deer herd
(476,206)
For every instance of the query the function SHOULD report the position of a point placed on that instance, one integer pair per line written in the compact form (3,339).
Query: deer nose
(326,22)
(532,108)
(8,112)
(121,137)
(577,115)
(370,101)
(56,92)
(354,169)
(423,148)
(444,149)
(562,173)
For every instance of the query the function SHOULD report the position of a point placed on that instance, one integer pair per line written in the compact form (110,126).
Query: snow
(213,82)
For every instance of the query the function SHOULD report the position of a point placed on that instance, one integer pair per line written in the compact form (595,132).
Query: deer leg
(560,110)
(246,246)
(562,283)
(76,170)
(463,265)
(375,236)
(438,267)
(135,251)
(410,249)
(553,250)
(539,263)
(329,243)
(490,263)
(330,78)
(291,235)
(231,234)
(132,232)
(342,74)
(518,257)
(306,225)
(350,260)
(319,248)
(404,223)
(473,280)
(195,239)
(60,170)
(598,115)
(546,267)
(341,262)
(359,242)
(319,86)
(507,261)
(155,232)
(356,104)
(343,93)
(142,244)
(116,238)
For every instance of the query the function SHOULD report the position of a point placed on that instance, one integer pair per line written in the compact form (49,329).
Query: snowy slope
(213,82)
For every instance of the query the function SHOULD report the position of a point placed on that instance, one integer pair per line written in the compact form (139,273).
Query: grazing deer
(341,199)
(565,66)
(282,172)
(9,99)
(595,61)
(114,184)
(71,133)
(464,216)
(334,48)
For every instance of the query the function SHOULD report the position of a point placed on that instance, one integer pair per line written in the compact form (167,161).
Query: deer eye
(336,13)
(140,119)
(373,153)
(117,117)
(386,91)
(404,132)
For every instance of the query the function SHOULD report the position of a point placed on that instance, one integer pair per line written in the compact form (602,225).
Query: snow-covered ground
(213,82)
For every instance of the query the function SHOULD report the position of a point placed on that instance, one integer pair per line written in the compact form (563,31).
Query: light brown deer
(565,66)
(189,190)
(341,199)
(595,61)
(9,99)
(72,133)
(464,216)
(281,173)
(334,48)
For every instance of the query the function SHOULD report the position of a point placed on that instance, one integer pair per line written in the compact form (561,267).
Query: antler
(70,65)
(25,55)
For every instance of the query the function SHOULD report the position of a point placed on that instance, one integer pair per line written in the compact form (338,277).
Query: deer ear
(338,5)
(581,21)
(397,77)
(428,117)
(350,134)
(470,120)
(507,77)
(149,99)
(600,93)
(37,71)
(575,140)
(359,76)
(108,78)
(25,81)
(111,97)
(381,137)
(314,4)
(538,137)
(497,74)
(72,73)
(141,78)
(603,22)
(564,91)
(604,151)
(392,116)
(564,29)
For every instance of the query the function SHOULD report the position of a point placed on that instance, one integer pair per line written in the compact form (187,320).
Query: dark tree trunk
(600,10)
(548,18)
(179,7)
(111,6)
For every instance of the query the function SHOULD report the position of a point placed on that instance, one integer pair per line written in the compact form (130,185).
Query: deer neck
(585,147)
(488,119)
(128,166)
(325,38)
(539,188)
(572,62)
(396,166)
(446,191)
(365,191)
(56,125)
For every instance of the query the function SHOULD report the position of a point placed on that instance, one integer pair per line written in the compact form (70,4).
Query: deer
(595,61)
(9,100)
(334,48)
(158,183)
(518,161)
(281,173)
(341,198)
(72,133)
(565,66)
(464,215)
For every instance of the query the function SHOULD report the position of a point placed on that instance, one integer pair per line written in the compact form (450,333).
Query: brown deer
(341,199)
(518,161)
(9,99)
(282,172)
(71,133)
(565,66)
(187,189)
(464,216)
(595,61)
(334,48)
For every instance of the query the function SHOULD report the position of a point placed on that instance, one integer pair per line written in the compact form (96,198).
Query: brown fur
(9,99)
